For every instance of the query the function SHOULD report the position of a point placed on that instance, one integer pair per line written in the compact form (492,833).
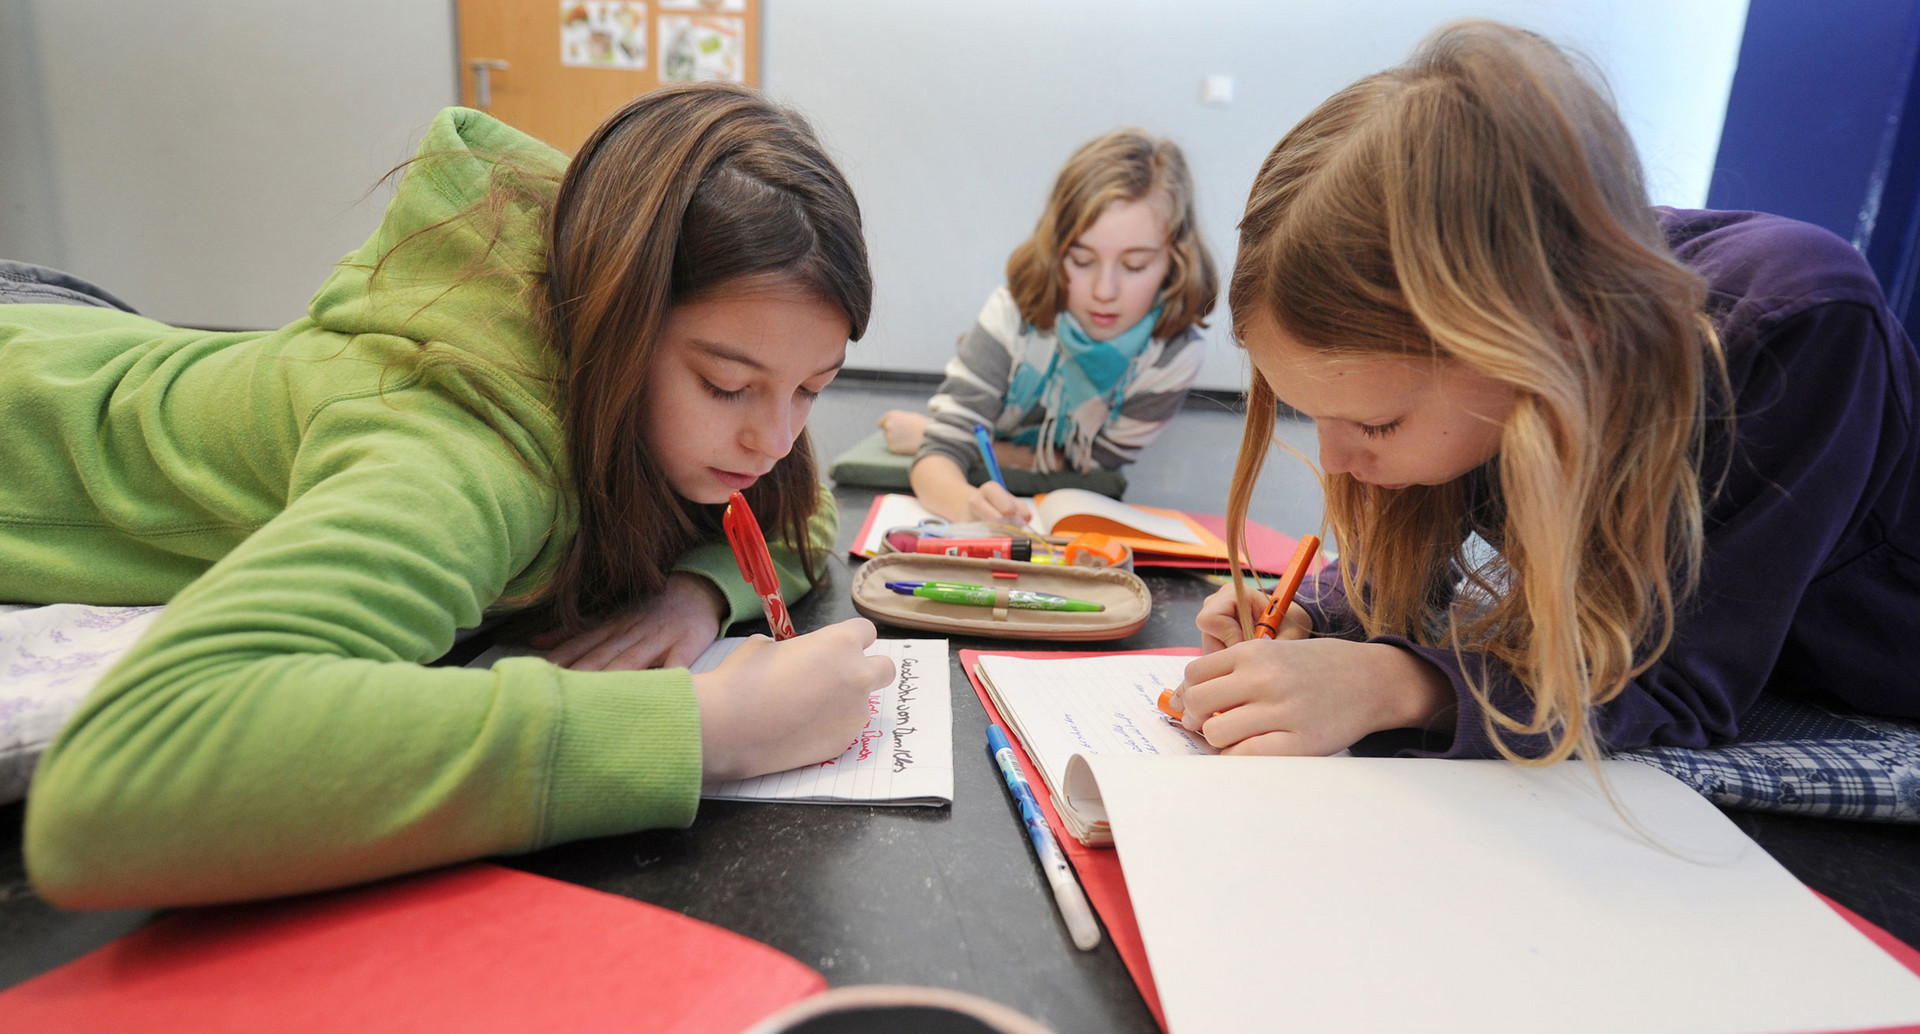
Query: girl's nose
(1106,283)
(1335,457)
(772,431)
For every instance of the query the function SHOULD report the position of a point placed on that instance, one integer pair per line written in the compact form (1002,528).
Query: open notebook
(904,756)
(1092,705)
(1487,896)
(1159,537)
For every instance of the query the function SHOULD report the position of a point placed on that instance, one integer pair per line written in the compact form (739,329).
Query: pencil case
(1126,599)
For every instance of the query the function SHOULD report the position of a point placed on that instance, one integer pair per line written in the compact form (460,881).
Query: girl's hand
(670,630)
(771,706)
(1309,696)
(992,502)
(1219,619)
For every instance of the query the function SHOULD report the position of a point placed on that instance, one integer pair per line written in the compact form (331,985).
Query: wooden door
(555,68)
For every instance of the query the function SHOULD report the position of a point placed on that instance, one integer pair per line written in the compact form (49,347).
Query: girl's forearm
(941,486)
(1413,693)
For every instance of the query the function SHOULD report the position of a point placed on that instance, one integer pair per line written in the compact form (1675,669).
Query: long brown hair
(1482,204)
(686,189)
(1124,165)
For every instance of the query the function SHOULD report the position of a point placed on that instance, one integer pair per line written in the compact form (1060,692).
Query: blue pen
(986,454)
(1066,890)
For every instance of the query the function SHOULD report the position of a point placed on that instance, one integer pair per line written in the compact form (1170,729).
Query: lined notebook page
(1088,705)
(904,756)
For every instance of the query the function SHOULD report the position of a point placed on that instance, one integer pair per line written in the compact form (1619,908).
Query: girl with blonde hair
(1086,354)
(1601,474)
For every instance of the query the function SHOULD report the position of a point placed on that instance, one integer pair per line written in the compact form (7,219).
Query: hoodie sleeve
(275,732)
(714,561)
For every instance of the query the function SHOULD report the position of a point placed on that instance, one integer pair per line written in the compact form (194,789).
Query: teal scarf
(1093,371)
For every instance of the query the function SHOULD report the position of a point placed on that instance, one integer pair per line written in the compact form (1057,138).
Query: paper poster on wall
(702,46)
(603,34)
(709,6)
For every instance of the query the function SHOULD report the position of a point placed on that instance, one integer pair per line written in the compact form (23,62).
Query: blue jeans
(24,282)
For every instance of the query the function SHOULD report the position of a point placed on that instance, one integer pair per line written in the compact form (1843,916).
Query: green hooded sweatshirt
(321,507)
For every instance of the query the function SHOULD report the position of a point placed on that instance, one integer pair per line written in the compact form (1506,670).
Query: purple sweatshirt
(1811,579)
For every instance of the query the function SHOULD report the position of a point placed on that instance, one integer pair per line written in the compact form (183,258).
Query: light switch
(1216,91)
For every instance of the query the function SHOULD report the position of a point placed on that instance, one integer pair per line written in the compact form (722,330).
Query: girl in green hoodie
(530,392)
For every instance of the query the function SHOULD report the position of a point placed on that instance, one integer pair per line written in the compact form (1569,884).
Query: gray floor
(1189,468)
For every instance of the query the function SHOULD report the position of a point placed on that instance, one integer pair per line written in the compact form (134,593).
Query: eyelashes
(720,393)
(739,393)
(1380,430)
(1088,264)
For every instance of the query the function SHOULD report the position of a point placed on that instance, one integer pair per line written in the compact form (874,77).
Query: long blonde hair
(1482,204)
(1124,165)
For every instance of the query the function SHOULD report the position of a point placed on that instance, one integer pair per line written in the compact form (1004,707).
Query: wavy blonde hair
(1124,165)
(1482,204)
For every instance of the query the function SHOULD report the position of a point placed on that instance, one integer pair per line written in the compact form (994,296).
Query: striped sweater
(1001,342)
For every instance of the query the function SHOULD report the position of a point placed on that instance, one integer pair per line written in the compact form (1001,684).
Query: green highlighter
(982,596)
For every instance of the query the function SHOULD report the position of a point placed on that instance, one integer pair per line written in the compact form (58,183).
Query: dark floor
(1189,468)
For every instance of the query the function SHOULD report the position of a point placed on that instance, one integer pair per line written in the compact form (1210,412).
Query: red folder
(1106,886)
(474,948)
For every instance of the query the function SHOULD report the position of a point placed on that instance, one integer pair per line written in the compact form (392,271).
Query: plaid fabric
(1807,760)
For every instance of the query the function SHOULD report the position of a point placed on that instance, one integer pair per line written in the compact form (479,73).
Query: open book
(1486,895)
(904,756)
(1159,537)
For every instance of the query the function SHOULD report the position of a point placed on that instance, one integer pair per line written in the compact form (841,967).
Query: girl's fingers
(682,654)
(1278,742)
(879,672)
(1228,726)
(567,653)
(1208,666)
(1217,632)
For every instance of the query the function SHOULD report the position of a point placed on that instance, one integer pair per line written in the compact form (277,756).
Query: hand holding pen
(1220,616)
(994,501)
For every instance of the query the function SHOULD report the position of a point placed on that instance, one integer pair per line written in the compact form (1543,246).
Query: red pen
(1268,626)
(756,564)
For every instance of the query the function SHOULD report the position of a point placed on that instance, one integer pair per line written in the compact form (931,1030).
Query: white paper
(904,756)
(50,659)
(1069,502)
(1343,894)
(895,511)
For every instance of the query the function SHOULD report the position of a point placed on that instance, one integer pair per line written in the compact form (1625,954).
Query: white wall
(209,160)
(952,118)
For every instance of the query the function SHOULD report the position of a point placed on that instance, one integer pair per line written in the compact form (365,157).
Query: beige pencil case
(1126,598)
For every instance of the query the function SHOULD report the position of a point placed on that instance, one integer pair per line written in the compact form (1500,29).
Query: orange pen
(1269,624)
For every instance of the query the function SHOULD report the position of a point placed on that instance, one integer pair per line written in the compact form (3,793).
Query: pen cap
(997,739)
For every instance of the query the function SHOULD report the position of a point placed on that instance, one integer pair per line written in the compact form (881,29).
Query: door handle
(483,69)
